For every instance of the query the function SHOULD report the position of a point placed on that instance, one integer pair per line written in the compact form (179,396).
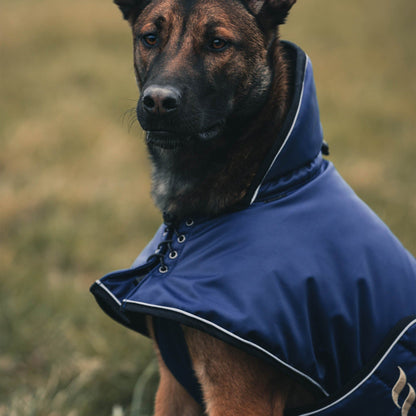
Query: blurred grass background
(74,187)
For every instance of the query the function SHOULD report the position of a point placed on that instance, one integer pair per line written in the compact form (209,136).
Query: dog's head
(202,65)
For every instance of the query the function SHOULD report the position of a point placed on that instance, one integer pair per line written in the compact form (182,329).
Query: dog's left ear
(271,13)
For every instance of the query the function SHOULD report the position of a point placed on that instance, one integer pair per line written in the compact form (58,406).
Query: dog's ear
(131,8)
(271,13)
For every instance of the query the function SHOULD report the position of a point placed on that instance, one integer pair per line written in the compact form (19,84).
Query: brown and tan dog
(215,87)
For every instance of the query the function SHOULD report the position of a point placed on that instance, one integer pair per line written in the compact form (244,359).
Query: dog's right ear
(271,12)
(131,8)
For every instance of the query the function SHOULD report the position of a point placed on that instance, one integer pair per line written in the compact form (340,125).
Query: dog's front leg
(171,398)
(233,382)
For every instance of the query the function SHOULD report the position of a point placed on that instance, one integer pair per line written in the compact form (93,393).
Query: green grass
(74,188)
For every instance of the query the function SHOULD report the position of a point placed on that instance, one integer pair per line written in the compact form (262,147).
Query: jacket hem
(223,334)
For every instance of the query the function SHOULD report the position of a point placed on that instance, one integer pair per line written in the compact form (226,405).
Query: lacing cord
(165,246)
(160,253)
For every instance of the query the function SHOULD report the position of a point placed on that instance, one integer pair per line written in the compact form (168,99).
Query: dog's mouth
(166,139)
(174,140)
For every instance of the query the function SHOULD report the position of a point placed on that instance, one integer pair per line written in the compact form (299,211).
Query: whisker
(129,118)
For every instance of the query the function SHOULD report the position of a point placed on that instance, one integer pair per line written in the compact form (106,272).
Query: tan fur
(171,398)
(233,382)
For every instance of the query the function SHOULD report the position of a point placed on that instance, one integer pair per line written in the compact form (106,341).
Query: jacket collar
(301,134)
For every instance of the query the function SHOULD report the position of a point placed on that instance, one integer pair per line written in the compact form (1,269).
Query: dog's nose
(160,100)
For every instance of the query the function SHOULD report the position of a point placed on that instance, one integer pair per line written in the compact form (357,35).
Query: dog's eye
(150,40)
(218,44)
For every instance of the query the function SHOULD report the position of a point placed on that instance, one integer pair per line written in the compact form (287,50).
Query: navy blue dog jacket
(302,274)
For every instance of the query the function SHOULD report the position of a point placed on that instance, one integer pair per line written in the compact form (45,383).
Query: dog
(233,133)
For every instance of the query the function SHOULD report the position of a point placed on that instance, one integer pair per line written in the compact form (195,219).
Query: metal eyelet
(163,269)
(181,239)
(173,254)
(189,222)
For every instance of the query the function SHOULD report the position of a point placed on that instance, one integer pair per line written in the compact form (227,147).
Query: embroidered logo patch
(398,389)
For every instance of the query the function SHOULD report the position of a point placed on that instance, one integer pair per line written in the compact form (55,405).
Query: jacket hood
(301,134)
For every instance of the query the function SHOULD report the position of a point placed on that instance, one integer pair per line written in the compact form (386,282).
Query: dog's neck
(207,179)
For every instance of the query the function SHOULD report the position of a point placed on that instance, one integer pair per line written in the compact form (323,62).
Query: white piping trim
(366,378)
(231,335)
(287,136)
(108,291)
